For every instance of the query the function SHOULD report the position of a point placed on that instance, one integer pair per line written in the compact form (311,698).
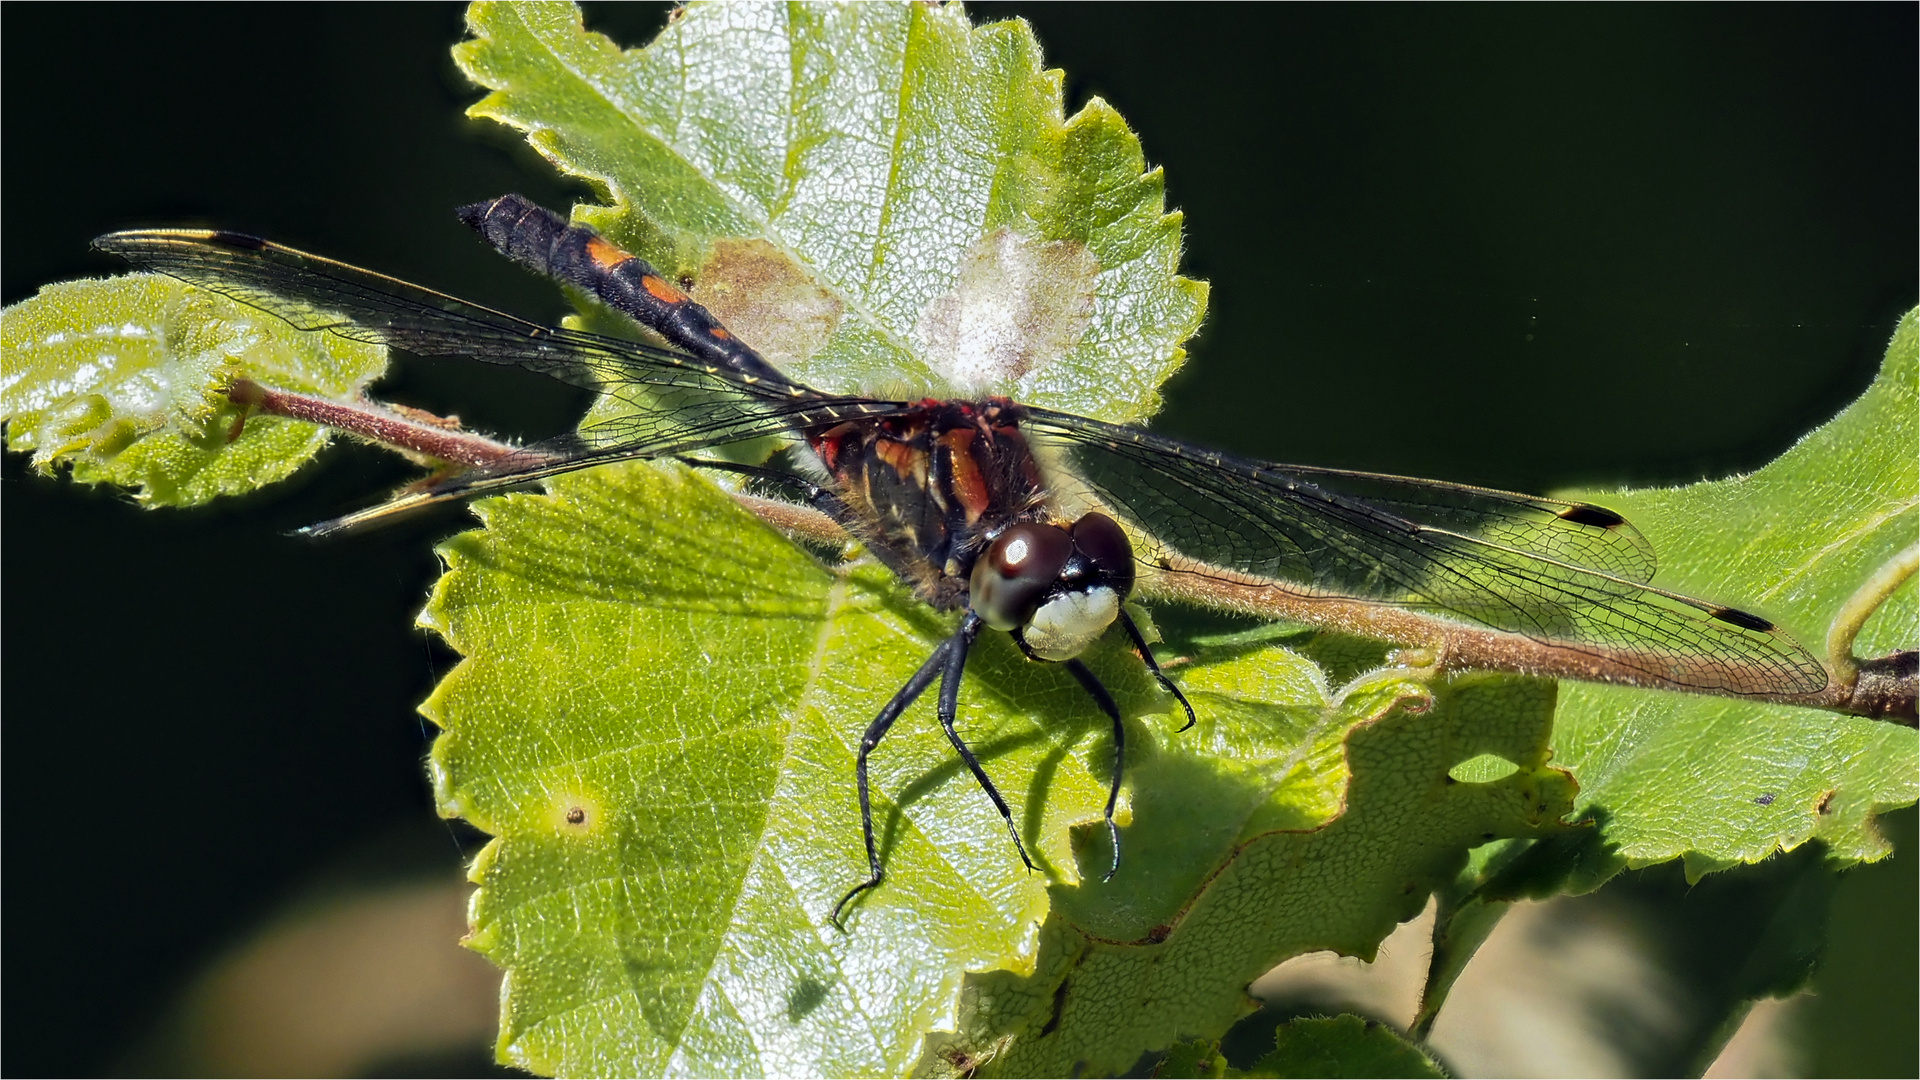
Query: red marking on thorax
(969,485)
(898,455)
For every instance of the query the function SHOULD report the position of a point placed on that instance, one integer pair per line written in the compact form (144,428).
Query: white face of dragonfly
(1057,588)
(1065,625)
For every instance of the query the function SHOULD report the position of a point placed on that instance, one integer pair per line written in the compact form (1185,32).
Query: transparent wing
(674,402)
(1569,573)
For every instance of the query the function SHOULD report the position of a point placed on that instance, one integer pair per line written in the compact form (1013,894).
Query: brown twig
(1883,688)
(412,432)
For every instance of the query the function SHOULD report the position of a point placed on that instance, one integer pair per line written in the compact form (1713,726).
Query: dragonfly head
(1057,589)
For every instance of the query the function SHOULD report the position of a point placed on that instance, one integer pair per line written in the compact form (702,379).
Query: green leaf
(1192,1061)
(660,731)
(661,700)
(124,381)
(1722,781)
(879,196)
(1119,974)
(1342,1046)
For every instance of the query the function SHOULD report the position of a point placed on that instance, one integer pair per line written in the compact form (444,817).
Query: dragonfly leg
(1146,653)
(1105,700)
(935,665)
(820,498)
(962,641)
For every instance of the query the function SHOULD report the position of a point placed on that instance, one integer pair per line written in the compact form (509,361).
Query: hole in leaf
(1484,769)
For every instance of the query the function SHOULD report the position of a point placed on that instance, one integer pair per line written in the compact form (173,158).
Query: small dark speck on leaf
(806,996)
(1765,799)
(576,815)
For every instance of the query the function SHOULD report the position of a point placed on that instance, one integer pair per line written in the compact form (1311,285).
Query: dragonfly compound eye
(1101,540)
(1016,571)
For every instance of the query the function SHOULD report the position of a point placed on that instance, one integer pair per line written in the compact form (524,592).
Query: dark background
(1520,246)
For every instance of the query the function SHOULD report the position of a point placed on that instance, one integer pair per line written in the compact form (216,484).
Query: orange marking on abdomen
(662,291)
(720,332)
(605,255)
(968,483)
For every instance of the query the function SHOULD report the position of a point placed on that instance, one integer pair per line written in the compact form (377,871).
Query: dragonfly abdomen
(542,240)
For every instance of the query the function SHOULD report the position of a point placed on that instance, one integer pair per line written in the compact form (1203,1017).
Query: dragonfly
(1026,520)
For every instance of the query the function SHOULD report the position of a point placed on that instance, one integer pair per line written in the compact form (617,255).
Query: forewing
(315,293)
(674,403)
(1566,573)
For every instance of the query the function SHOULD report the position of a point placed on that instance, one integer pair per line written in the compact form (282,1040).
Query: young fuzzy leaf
(124,381)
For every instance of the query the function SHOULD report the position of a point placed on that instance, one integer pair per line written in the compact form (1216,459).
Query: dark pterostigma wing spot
(1743,620)
(239,240)
(1588,514)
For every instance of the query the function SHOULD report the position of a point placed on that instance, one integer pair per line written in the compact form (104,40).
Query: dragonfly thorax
(1055,588)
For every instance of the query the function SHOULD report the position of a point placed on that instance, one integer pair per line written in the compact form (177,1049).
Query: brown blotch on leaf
(1824,804)
(576,815)
(766,300)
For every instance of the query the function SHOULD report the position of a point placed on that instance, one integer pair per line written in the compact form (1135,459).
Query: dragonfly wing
(673,403)
(1551,571)
(315,293)
(643,433)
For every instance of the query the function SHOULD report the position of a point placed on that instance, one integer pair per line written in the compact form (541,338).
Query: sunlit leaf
(123,380)
(1725,781)
(661,700)
(884,196)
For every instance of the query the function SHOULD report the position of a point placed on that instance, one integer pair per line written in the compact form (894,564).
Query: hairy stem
(1884,688)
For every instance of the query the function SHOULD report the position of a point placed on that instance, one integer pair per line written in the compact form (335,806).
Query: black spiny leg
(1146,653)
(962,640)
(820,498)
(935,665)
(1105,700)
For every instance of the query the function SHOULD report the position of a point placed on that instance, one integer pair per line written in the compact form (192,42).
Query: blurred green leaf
(123,380)
(1342,1046)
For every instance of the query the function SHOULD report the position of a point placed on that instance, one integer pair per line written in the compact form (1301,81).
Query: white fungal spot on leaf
(1017,305)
